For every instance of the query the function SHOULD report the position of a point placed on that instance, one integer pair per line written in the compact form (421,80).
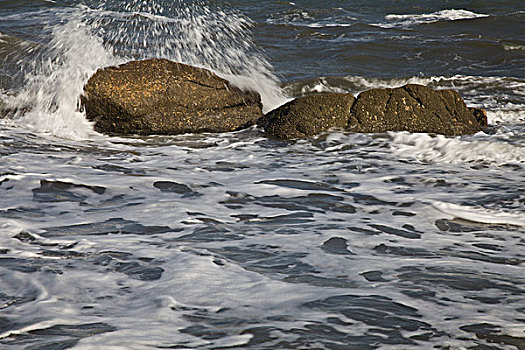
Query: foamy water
(395,20)
(218,241)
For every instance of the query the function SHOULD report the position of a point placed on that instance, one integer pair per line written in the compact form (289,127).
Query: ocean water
(222,241)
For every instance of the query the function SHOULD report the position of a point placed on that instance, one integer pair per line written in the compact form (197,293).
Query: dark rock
(308,116)
(415,108)
(158,96)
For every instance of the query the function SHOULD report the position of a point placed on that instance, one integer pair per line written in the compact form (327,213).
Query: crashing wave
(86,39)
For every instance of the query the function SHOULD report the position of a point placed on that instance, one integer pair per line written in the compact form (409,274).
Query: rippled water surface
(220,241)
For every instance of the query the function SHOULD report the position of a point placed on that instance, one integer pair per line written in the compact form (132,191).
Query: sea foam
(408,20)
(441,149)
(480,214)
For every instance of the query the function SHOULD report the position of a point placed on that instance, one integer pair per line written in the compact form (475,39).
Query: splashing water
(192,33)
(89,38)
(49,100)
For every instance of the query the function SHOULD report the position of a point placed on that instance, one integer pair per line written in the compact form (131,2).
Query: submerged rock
(415,108)
(308,116)
(158,96)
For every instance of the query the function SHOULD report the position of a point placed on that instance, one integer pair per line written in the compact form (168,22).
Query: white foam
(449,15)
(458,82)
(203,276)
(514,47)
(455,150)
(407,20)
(358,84)
(328,25)
(511,116)
(320,85)
(315,25)
(480,214)
(364,84)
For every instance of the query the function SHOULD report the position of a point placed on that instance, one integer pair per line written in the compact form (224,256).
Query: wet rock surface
(414,108)
(308,116)
(158,96)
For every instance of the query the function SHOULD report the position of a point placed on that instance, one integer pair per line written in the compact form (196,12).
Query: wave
(514,47)
(354,84)
(480,214)
(408,20)
(334,17)
(314,25)
(327,25)
(494,150)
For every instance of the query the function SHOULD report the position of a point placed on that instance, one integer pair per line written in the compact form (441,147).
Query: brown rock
(415,108)
(158,96)
(308,116)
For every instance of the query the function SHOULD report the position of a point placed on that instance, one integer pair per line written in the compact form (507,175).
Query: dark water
(222,241)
